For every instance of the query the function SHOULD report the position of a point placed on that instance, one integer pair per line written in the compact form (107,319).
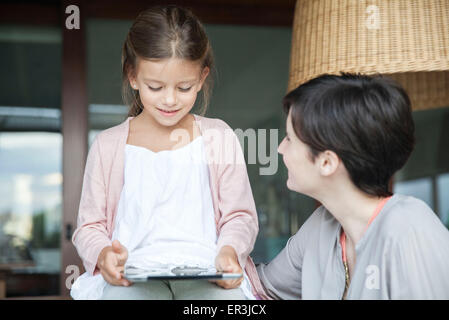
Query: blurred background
(61,87)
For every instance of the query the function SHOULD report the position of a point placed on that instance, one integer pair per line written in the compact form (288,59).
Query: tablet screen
(176,273)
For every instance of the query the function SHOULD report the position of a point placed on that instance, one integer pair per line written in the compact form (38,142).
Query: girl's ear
(204,74)
(132,81)
(131,78)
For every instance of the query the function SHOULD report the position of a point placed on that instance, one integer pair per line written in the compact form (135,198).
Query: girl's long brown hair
(163,32)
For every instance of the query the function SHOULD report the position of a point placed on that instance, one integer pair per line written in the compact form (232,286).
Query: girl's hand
(111,262)
(227,261)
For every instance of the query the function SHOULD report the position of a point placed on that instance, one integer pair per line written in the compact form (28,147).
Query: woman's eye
(154,89)
(185,89)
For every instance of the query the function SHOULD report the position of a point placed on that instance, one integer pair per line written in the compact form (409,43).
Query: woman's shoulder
(404,214)
(408,210)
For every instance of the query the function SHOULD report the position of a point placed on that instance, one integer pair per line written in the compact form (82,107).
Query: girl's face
(168,88)
(303,174)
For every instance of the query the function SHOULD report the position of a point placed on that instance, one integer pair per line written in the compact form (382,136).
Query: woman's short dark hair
(366,120)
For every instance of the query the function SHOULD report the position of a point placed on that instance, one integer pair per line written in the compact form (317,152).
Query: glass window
(30,159)
(30,210)
(443,197)
(418,188)
(426,173)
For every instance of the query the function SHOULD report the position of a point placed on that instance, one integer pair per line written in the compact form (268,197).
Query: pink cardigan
(234,207)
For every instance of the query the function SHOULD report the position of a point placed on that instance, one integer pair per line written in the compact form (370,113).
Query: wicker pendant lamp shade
(407,40)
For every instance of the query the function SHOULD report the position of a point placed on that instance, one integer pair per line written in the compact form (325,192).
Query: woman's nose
(281,147)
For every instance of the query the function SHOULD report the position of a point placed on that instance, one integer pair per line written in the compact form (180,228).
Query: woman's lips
(167,113)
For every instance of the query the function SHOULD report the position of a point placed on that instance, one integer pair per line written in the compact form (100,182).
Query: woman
(346,137)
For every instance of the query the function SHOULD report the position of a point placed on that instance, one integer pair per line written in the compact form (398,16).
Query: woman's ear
(328,162)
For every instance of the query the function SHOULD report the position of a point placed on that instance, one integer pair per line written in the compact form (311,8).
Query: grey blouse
(404,254)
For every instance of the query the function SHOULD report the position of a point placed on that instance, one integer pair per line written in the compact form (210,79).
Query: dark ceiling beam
(31,14)
(243,12)
(263,13)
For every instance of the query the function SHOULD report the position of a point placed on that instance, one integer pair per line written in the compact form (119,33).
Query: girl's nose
(170,97)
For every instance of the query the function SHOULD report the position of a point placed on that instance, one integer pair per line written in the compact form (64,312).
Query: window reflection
(30,205)
(426,173)
(418,188)
(443,199)
(30,160)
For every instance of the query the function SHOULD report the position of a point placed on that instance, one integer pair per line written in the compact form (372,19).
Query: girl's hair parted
(163,32)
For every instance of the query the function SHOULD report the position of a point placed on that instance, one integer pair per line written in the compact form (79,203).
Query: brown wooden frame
(74,119)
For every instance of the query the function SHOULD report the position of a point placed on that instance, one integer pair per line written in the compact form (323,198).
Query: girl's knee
(204,290)
(138,291)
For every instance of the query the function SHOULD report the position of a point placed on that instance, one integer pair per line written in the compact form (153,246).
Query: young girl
(166,187)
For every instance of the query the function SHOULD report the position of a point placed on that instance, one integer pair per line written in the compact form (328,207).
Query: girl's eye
(287,138)
(154,89)
(185,89)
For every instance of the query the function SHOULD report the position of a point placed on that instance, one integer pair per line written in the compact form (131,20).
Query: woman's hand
(227,261)
(111,262)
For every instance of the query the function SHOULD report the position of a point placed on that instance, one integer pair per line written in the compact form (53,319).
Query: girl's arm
(238,224)
(91,235)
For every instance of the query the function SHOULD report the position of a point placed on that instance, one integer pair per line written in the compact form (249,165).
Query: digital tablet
(177,273)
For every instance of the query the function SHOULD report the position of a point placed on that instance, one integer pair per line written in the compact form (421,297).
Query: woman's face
(168,88)
(302,171)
